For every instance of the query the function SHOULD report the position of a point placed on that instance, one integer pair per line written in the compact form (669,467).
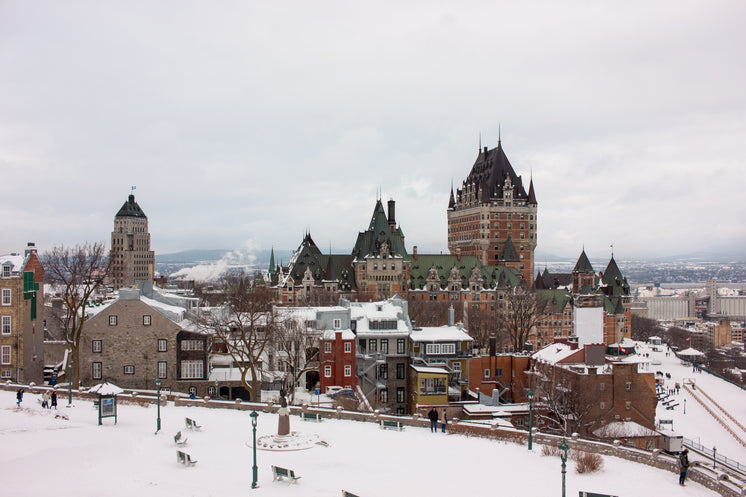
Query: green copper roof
(371,241)
(131,209)
(557,299)
(494,276)
(509,253)
(583,265)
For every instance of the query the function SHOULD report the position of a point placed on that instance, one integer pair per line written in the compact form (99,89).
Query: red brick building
(337,359)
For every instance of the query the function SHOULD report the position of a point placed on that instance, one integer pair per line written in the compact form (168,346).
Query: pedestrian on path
(433,415)
(19,397)
(54,400)
(683,466)
(45,398)
(445,419)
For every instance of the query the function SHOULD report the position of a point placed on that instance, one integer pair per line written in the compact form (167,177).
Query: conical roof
(131,209)
(612,273)
(531,194)
(583,265)
(509,252)
(489,172)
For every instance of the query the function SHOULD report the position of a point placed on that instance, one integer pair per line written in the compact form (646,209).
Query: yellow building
(428,387)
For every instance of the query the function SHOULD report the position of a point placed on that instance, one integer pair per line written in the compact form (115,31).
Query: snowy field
(77,458)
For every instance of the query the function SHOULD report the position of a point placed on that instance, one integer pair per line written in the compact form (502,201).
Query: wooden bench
(391,425)
(178,440)
(310,416)
(591,494)
(184,458)
(345,493)
(192,424)
(279,473)
(671,406)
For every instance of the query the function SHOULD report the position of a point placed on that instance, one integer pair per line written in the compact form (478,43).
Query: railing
(434,391)
(719,458)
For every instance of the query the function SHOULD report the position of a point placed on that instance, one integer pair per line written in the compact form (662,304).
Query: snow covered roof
(440,334)
(624,429)
(553,353)
(15,261)
(172,312)
(690,352)
(106,388)
(425,369)
(330,334)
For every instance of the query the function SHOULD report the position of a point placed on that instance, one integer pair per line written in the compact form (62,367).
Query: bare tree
(297,349)
(564,406)
(434,312)
(244,326)
(77,273)
(643,328)
(518,316)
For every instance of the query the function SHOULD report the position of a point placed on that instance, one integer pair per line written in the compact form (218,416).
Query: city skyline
(244,126)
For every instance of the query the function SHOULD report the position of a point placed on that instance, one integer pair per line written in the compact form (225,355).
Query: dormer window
(6,270)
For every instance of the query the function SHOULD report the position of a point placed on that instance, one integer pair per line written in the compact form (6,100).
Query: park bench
(670,407)
(669,401)
(345,493)
(310,416)
(279,473)
(184,458)
(391,425)
(179,440)
(591,494)
(192,424)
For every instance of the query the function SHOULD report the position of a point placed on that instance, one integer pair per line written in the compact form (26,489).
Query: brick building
(337,359)
(21,304)
(131,257)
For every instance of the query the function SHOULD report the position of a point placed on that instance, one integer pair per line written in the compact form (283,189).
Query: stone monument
(283,425)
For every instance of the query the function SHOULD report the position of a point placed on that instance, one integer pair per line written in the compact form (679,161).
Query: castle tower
(131,257)
(490,208)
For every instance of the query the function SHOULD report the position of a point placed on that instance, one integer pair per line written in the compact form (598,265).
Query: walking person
(19,397)
(433,415)
(683,466)
(445,419)
(45,398)
(54,400)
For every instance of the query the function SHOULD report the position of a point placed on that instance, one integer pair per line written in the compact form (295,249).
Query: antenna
(612,250)
(498,133)
(480,142)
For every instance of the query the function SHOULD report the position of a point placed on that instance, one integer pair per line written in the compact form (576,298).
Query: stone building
(492,212)
(134,340)
(131,257)
(21,321)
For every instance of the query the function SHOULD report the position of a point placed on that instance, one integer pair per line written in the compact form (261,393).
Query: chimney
(451,316)
(392,218)
(493,345)
(30,248)
(414,252)
(458,253)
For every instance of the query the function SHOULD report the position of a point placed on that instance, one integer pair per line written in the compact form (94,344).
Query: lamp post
(714,456)
(158,402)
(530,415)
(563,447)
(254,415)
(70,383)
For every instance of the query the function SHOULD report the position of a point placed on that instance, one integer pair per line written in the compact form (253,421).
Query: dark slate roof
(489,172)
(323,267)
(131,209)
(370,241)
(583,265)
(451,201)
(531,194)
(616,284)
(509,253)
(557,299)
(494,276)
(550,281)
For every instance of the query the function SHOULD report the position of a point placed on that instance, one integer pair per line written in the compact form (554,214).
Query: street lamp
(530,413)
(158,401)
(70,383)
(714,456)
(563,447)
(254,415)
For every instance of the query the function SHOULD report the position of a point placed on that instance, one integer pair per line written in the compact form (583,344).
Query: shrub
(588,462)
(549,450)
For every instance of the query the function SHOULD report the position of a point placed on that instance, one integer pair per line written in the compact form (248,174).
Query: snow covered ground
(77,458)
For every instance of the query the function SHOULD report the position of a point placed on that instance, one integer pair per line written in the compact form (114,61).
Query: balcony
(434,391)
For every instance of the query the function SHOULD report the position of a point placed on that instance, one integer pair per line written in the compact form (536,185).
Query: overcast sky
(242,124)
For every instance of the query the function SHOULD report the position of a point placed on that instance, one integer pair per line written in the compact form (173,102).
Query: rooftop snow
(440,334)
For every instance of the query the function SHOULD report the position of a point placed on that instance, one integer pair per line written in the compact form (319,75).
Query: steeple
(272,261)
(531,194)
(452,200)
(583,265)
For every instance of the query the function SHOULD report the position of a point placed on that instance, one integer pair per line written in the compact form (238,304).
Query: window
(400,347)
(7,329)
(6,271)
(327,371)
(384,346)
(192,369)
(629,386)
(192,345)
(456,366)
(162,369)
(146,320)
(337,323)
(96,371)
(211,391)
(6,373)
(486,373)
(5,354)
(348,370)
(400,371)
(602,386)
(602,405)
(327,347)
(384,395)
(192,390)
(383,371)
(440,348)
(96,346)
(348,347)
(628,405)
(372,345)
(162,345)
(129,369)
(400,395)
(498,372)
(6,296)
(112,320)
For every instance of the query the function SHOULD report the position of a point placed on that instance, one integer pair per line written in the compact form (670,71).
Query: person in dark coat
(19,397)
(683,466)
(54,400)
(433,415)
(445,419)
